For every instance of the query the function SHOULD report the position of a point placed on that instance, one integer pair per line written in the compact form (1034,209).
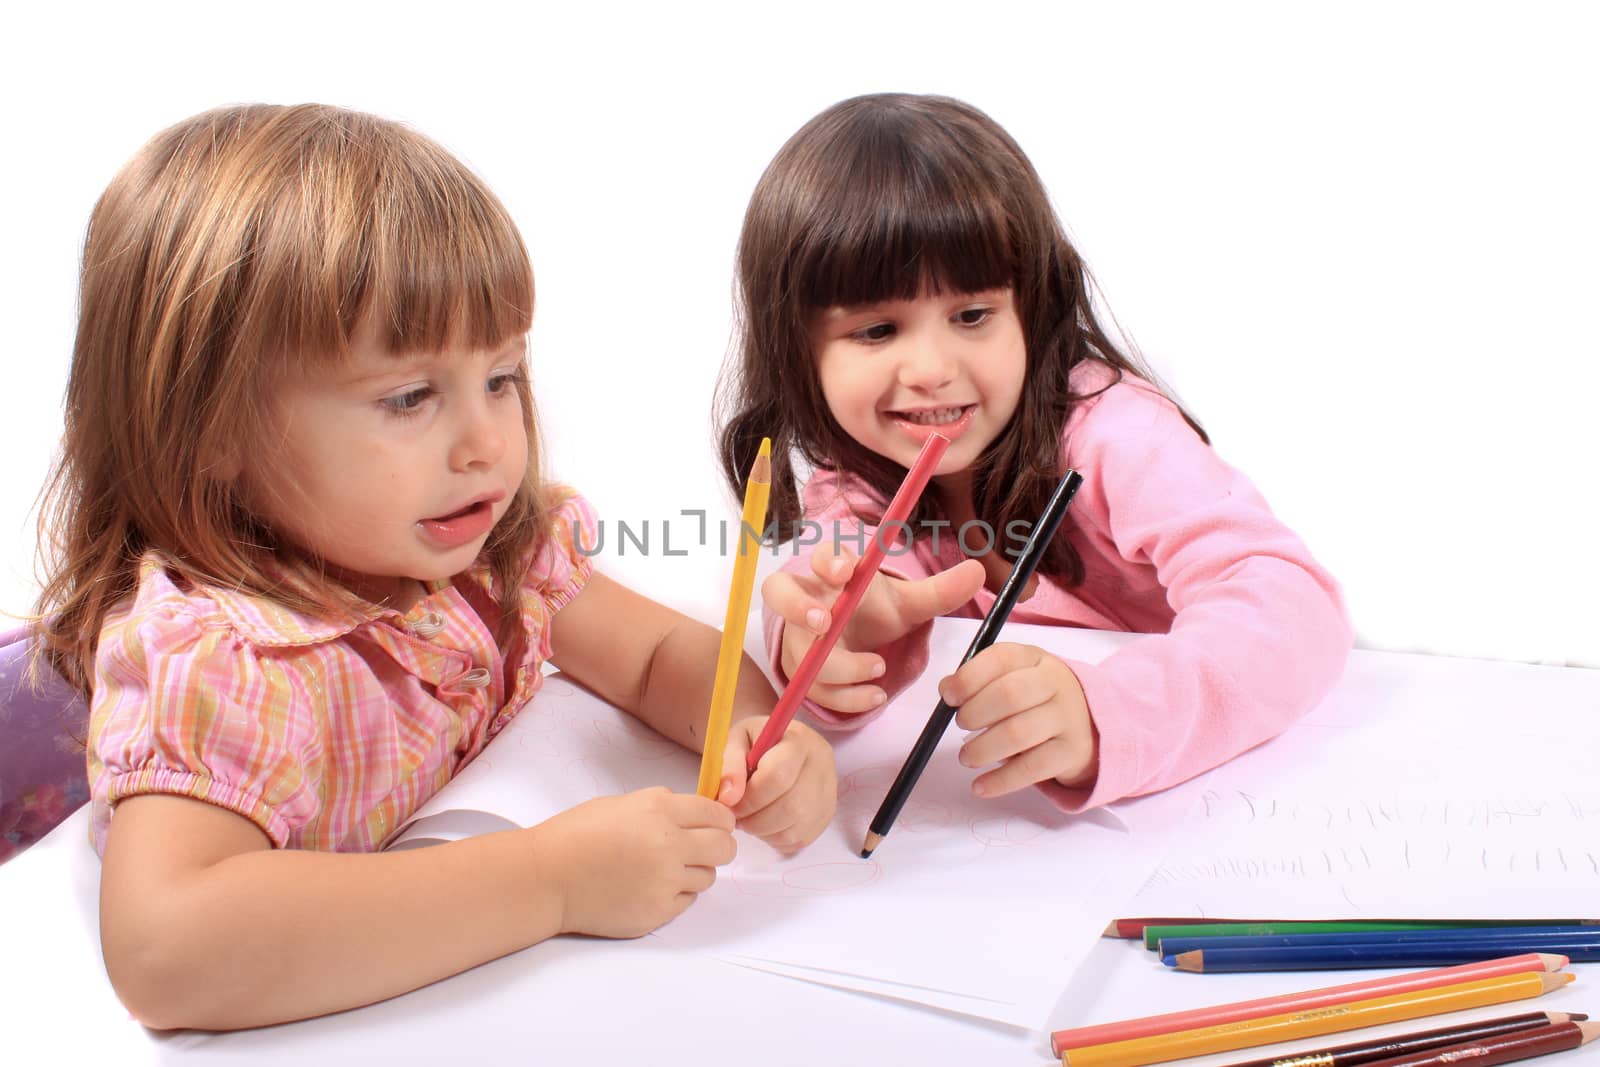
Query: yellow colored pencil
(732,650)
(1291,1026)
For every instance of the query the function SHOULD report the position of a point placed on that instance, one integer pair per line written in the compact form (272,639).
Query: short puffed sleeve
(183,705)
(564,563)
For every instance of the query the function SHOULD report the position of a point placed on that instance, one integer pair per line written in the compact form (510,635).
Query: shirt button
(476,678)
(428,626)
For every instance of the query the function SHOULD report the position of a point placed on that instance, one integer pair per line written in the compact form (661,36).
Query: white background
(1359,241)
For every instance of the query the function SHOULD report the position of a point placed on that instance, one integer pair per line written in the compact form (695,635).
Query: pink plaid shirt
(326,733)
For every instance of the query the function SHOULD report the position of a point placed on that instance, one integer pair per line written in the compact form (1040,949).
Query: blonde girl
(303,563)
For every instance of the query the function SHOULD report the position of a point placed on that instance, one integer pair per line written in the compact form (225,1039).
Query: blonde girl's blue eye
(504,383)
(407,403)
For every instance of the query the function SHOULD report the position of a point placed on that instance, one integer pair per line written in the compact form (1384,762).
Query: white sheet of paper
(981,907)
(1387,801)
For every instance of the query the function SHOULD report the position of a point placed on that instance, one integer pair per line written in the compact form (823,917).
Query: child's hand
(890,609)
(790,799)
(630,863)
(1030,716)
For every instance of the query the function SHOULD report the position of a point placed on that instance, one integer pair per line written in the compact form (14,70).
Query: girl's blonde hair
(236,249)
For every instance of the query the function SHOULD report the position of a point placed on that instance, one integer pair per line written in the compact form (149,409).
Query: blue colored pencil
(1172,946)
(1356,957)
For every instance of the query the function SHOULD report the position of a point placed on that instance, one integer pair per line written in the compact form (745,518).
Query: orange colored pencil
(1291,1026)
(1308,1000)
(905,499)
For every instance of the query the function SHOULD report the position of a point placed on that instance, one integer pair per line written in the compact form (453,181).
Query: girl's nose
(480,440)
(926,367)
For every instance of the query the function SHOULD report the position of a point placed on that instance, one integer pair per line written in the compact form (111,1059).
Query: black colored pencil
(1038,540)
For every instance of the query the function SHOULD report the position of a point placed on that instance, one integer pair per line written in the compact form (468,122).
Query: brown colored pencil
(1503,1049)
(1365,1053)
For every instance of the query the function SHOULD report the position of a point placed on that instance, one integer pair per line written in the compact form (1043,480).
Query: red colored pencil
(905,499)
(1310,999)
(1503,1049)
(1129,929)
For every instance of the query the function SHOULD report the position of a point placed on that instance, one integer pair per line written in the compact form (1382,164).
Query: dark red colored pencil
(1506,1048)
(1365,1053)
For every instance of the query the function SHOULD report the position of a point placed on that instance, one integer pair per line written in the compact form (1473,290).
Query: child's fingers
(833,564)
(680,904)
(939,594)
(1010,736)
(795,604)
(734,777)
(847,699)
(773,778)
(698,879)
(1004,698)
(705,847)
(983,670)
(843,667)
(693,812)
(774,818)
(1057,756)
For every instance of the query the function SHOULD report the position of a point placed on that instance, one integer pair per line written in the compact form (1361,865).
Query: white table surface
(574,1001)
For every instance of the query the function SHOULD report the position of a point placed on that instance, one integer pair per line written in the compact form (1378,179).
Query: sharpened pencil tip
(871,844)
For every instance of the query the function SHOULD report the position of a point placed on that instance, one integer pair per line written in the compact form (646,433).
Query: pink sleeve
(566,560)
(181,707)
(831,503)
(1260,633)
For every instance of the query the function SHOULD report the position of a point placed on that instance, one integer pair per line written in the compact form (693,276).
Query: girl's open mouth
(459,527)
(949,422)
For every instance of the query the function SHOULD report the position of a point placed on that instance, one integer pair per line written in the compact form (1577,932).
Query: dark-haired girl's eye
(878,331)
(974,316)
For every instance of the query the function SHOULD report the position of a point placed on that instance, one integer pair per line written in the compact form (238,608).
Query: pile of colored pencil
(1315,1012)
(1239,945)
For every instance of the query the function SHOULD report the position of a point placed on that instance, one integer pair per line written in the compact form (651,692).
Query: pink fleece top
(1247,631)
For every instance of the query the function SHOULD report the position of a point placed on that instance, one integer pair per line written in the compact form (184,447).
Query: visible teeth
(936,417)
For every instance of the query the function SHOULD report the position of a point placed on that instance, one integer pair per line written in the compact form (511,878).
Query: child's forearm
(677,690)
(269,936)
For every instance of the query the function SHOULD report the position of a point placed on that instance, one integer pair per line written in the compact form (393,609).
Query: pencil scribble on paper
(1369,849)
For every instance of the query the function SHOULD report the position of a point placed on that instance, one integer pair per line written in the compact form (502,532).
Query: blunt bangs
(902,208)
(377,227)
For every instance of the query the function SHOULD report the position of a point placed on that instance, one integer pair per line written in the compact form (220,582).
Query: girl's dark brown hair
(873,199)
(235,248)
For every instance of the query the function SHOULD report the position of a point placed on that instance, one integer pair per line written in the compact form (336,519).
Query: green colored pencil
(1154,934)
